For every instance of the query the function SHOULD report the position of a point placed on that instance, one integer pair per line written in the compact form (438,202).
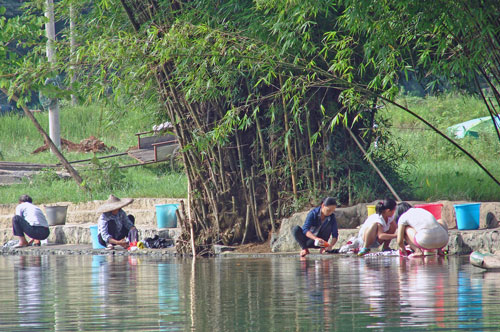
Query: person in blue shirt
(319,226)
(115,227)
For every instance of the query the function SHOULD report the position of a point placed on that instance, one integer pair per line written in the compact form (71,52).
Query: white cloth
(32,214)
(430,234)
(353,243)
(163,126)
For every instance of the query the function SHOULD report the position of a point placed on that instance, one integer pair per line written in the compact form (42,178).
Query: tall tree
(253,106)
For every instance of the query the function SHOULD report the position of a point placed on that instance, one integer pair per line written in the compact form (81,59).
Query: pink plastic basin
(434,208)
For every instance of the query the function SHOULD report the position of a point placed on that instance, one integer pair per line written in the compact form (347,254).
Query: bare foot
(304,252)
(21,244)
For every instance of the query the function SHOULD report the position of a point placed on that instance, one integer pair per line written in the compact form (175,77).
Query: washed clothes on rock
(313,224)
(116,226)
(30,220)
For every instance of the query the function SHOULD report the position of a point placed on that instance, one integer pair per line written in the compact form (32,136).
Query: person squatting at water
(319,225)
(115,228)
(421,231)
(379,228)
(29,220)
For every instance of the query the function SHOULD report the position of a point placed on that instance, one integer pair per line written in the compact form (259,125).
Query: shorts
(429,239)
(375,244)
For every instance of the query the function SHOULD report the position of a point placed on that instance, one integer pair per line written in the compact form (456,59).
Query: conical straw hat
(114,203)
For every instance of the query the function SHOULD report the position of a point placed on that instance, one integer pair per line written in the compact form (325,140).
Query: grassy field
(437,169)
(112,125)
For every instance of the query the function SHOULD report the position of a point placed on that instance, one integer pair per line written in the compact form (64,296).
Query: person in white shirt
(379,228)
(29,220)
(421,231)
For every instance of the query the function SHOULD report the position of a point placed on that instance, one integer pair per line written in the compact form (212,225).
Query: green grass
(438,170)
(114,126)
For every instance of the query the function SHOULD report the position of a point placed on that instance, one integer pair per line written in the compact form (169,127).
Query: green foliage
(104,175)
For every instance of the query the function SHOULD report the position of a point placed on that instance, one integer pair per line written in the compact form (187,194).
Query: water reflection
(318,281)
(470,307)
(168,294)
(119,293)
(422,291)
(29,291)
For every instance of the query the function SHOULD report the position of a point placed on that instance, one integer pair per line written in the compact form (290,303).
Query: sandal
(363,251)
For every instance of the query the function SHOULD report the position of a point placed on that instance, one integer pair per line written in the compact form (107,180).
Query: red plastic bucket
(434,208)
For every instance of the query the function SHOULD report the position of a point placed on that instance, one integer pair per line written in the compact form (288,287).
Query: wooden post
(54,125)
(72,46)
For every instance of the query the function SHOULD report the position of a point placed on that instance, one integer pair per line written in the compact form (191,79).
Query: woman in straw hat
(115,227)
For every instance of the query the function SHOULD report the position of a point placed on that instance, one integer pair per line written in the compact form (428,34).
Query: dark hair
(329,201)
(401,209)
(387,203)
(25,198)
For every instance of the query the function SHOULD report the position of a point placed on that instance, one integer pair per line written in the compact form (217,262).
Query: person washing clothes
(379,228)
(319,225)
(421,231)
(115,227)
(29,220)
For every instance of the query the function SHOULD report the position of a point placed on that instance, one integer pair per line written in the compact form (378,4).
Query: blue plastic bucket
(95,239)
(467,215)
(165,215)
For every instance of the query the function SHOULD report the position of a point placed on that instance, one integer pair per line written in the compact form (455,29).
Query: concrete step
(137,204)
(82,213)
(80,233)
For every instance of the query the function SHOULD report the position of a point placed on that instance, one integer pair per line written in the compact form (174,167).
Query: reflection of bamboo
(192,294)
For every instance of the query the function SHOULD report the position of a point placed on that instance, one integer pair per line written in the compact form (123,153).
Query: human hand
(123,243)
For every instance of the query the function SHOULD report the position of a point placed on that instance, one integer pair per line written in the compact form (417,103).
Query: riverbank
(74,237)
(460,243)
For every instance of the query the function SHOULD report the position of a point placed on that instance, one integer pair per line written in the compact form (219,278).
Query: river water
(331,293)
